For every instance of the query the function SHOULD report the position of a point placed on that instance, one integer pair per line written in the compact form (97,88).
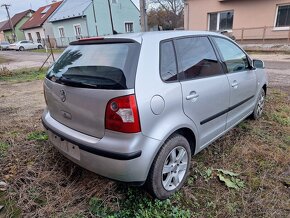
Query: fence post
(51,52)
(242,37)
(264,34)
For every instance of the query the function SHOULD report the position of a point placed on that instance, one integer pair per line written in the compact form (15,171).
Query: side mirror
(258,64)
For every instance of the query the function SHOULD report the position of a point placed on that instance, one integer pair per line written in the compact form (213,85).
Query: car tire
(39,47)
(21,48)
(257,113)
(168,174)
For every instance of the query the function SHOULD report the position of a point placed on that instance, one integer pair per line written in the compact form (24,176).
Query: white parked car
(25,45)
(4,45)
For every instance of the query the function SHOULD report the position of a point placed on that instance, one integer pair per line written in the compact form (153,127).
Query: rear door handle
(235,84)
(192,96)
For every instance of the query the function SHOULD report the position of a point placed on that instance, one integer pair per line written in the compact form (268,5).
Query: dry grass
(44,184)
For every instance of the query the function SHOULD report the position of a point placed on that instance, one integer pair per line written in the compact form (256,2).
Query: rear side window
(197,58)
(168,67)
(100,66)
(233,57)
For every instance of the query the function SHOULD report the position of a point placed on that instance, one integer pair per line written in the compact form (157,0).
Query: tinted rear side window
(197,58)
(100,66)
(168,67)
(234,58)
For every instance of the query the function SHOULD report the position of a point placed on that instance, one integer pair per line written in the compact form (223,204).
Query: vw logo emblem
(62,95)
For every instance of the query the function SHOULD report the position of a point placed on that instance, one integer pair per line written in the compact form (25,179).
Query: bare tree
(174,6)
(166,13)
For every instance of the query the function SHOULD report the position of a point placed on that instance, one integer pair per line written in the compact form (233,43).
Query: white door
(31,45)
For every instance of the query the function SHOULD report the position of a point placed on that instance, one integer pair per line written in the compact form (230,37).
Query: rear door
(24,44)
(205,87)
(242,80)
(83,80)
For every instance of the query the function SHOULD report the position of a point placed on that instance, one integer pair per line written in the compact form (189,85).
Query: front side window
(129,27)
(168,67)
(283,16)
(197,58)
(233,57)
(221,21)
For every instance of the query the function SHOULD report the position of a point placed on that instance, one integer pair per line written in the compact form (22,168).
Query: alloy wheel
(174,168)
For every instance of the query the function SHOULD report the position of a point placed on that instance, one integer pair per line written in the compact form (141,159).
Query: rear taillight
(122,115)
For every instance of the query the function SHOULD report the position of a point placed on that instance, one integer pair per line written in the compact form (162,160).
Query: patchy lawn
(54,50)
(253,159)
(22,75)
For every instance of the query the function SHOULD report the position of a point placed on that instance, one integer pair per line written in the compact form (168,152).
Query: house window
(129,27)
(221,21)
(30,36)
(38,37)
(61,32)
(78,30)
(283,16)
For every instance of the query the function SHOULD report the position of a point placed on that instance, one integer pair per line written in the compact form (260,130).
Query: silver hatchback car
(136,107)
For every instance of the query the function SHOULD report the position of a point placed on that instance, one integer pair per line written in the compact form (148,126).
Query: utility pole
(10,21)
(143,15)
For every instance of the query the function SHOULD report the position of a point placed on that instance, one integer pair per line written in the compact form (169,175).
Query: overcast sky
(22,5)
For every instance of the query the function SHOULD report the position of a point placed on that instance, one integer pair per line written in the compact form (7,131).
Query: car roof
(161,35)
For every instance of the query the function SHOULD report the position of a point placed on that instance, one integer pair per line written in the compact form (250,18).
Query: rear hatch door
(85,77)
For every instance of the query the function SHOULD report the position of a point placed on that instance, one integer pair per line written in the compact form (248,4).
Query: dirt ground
(25,59)
(45,178)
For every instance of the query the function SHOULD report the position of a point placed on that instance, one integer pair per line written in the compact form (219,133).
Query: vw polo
(136,107)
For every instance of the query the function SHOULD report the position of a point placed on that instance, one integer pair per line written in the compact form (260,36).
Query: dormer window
(45,9)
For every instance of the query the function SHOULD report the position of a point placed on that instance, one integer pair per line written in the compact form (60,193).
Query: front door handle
(235,84)
(192,96)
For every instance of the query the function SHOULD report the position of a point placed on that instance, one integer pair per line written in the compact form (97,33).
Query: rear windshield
(99,66)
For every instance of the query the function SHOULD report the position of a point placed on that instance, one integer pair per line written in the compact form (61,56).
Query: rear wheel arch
(185,132)
(190,137)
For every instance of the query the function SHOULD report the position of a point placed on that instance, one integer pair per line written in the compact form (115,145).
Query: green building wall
(19,33)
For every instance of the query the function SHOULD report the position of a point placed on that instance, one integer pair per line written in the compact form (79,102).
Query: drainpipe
(187,12)
(95,19)
(110,10)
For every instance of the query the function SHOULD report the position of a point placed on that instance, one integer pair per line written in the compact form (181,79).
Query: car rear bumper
(119,156)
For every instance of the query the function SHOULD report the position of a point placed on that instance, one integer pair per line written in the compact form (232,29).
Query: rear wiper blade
(114,82)
(65,81)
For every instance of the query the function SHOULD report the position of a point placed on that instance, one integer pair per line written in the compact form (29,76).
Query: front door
(242,80)
(205,87)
